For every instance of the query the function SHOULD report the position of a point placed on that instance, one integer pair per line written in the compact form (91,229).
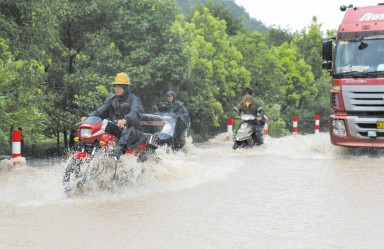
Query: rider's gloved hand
(132,121)
(121,123)
(162,107)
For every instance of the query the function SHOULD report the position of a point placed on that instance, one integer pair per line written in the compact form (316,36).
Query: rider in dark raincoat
(249,106)
(182,123)
(125,108)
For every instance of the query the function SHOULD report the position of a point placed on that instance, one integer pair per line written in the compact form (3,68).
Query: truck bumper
(359,131)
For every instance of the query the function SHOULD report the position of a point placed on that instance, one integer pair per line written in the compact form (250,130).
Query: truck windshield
(360,54)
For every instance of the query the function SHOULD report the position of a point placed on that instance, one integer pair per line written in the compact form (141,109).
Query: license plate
(380,124)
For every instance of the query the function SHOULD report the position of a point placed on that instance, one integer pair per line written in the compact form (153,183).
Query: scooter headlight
(243,125)
(85,132)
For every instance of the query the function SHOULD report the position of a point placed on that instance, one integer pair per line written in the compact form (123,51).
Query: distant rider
(249,106)
(125,108)
(182,123)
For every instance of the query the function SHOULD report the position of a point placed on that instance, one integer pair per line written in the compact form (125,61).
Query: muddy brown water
(293,192)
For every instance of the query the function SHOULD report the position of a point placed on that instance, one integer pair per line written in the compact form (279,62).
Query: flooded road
(293,192)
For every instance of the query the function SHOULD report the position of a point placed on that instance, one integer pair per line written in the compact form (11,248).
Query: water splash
(40,181)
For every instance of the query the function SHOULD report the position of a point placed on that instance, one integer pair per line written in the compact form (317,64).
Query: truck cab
(355,60)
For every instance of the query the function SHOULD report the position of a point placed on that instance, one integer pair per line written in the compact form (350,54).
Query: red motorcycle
(92,163)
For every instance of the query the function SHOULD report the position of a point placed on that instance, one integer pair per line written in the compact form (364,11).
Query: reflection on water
(292,192)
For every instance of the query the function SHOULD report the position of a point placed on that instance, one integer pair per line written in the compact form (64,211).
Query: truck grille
(364,100)
(364,106)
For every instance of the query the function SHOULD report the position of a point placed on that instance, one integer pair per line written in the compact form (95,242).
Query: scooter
(166,137)
(250,132)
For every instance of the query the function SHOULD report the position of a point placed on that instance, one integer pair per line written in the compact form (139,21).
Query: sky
(297,14)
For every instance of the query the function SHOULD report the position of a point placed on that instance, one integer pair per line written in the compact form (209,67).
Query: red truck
(355,60)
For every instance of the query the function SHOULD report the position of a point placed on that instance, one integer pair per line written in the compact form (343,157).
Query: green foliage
(235,16)
(20,95)
(216,68)
(222,12)
(320,105)
(266,76)
(152,50)
(276,125)
(308,42)
(298,87)
(277,36)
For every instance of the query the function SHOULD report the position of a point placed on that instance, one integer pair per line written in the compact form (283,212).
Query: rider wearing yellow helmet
(125,108)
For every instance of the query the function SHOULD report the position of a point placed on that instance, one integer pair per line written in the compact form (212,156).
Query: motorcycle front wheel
(73,177)
(241,144)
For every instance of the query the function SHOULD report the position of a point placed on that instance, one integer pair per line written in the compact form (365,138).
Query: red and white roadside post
(294,125)
(266,128)
(16,148)
(317,124)
(229,128)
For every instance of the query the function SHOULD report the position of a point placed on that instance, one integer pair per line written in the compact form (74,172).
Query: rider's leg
(259,134)
(179,139)
(129,137)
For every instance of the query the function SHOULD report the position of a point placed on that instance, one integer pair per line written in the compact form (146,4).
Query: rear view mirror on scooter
(155,109)
(259,110)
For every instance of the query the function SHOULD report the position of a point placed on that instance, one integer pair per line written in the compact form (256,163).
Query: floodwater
(293,192)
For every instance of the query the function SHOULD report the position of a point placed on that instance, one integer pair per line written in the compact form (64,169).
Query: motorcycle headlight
(86,132)
(243,125)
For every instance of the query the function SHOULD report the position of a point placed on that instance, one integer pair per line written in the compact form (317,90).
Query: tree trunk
(65,138)
(58,140)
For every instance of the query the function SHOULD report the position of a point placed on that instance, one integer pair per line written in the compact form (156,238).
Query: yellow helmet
(121,79)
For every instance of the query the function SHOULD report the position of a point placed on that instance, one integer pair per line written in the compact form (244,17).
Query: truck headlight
(85,132)
(339,127)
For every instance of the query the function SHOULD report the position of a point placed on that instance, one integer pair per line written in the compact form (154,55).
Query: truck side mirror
(327,50)
(259,110)
(327,65)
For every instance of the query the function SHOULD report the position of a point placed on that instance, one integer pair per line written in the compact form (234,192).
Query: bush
(276,125)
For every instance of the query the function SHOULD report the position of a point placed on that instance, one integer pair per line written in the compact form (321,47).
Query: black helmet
(171,94)
(248,91)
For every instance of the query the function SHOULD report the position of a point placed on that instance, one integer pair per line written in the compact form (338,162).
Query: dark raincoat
(251,109)
(181,111)
(126,107)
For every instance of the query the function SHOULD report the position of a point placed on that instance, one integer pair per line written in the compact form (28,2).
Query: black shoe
(116,153)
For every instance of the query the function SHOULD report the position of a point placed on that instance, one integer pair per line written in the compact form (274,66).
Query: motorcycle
(92,163)
(250,132)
